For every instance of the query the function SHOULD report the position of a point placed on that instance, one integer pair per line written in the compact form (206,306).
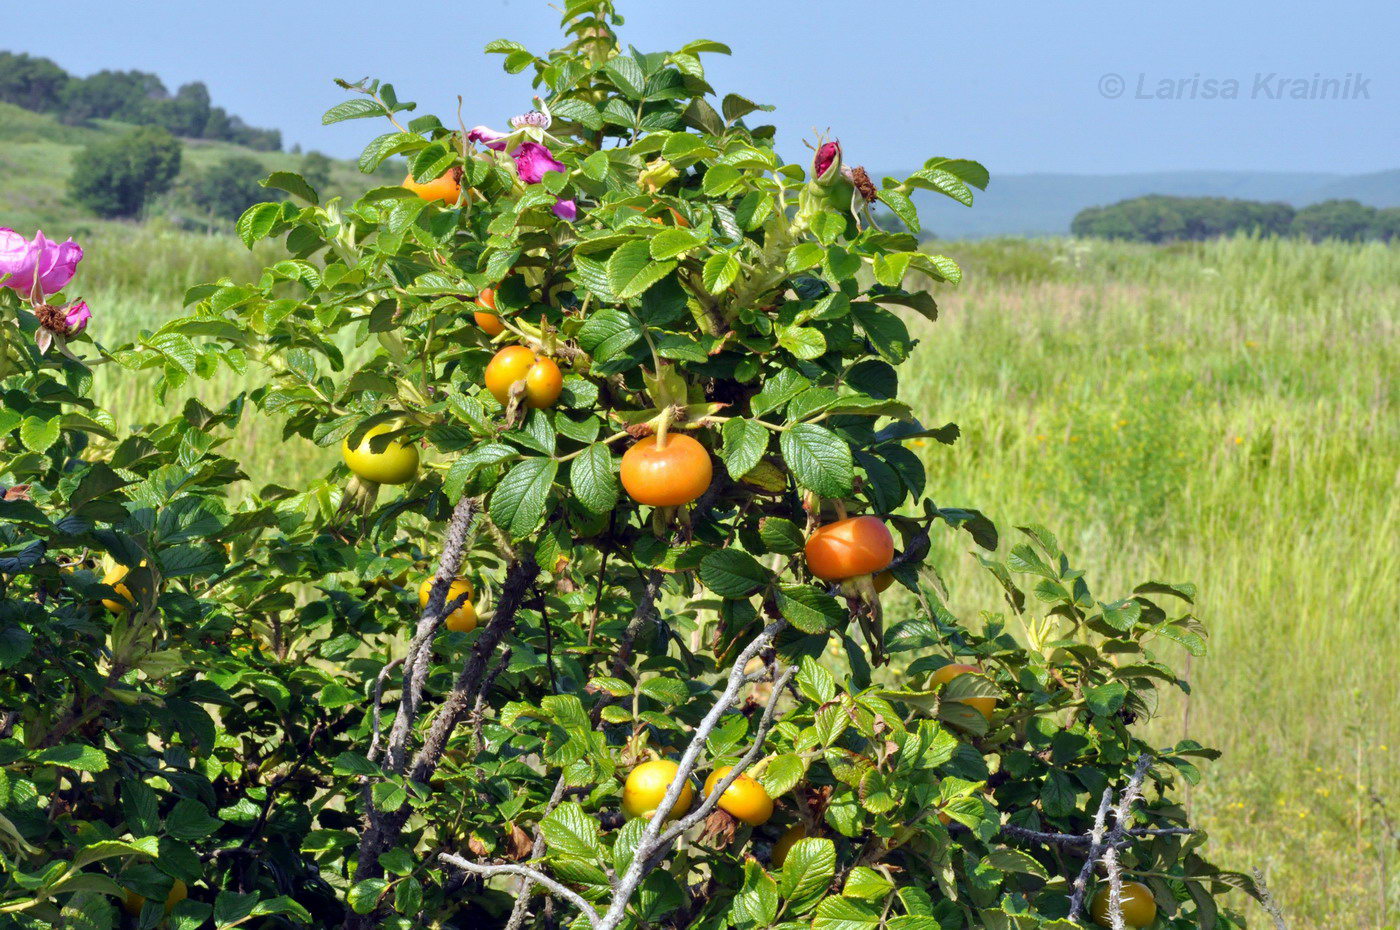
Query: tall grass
(1224,413)
(1221,412)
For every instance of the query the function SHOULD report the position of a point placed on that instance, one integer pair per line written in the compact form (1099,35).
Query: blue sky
(1052,85)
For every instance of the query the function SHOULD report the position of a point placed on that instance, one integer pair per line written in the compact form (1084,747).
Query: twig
(418,657)
(1081,839)
(755,749)
(531,876)
(1081,882)
(652,843)
(1266,898)
(373,753)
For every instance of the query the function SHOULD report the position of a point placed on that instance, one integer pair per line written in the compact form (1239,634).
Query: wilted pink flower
(828,161)
(53,263)
(566,209)
(77,317)
(488,137)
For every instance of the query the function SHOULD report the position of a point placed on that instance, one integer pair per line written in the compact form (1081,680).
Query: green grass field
(1224,413)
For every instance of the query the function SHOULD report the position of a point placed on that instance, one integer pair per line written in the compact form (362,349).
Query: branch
(418,657)
(654,844)
(1082,839)
(651,843)
(382,831)
(1122,815)
(1267,900)
(373,754)
(531,876)
(1106,848)
(1081,881)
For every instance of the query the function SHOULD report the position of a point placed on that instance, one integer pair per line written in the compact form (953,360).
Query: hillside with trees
(1158,218)
(136,97)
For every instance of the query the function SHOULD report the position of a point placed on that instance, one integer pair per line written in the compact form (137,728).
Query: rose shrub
(270,716)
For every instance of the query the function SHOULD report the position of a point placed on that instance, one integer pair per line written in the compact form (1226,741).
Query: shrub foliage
(237,692)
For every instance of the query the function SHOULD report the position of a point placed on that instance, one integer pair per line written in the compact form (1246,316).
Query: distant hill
(36,153)
(1044,204)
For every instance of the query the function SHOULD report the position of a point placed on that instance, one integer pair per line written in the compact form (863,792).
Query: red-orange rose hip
(849,548)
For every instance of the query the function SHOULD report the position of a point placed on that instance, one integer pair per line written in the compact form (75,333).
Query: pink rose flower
(533,162)
(52,263)
(77,317)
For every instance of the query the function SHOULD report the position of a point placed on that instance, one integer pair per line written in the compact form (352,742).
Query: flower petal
(60,263)
(16,260)
(487,137)
(533,162)
(828,155)
(566,209)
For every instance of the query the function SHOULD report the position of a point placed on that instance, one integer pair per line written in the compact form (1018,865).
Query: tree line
(1159,218)
(137,97)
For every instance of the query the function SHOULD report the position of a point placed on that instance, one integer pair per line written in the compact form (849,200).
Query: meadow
(1219,412)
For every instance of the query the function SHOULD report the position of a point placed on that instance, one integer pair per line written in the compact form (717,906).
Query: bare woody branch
(531,876)
(418,657)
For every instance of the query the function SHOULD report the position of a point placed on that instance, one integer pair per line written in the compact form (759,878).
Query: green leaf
(391,143)
(39,435)
(744,444)
(736,106)
(733,573)
(292,183)
(608,333)
(720,271)
(1107,698)
(845,914)
(567,829)
(782,773)
(820,460)
(780,535)
(190,820)
(388,796)
(74,756)
(631,269)
(802,341)
(807,872)
(257,221)
(1057,795)
(110,849)
(902,207)
(350,763)
(886,331)
(519,502)
(753,209)
(1014,860)
(591,474)
(755,907)
(810,610)
(363,897)
(943,182)
(673,242)
(867,884)
(355,108)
